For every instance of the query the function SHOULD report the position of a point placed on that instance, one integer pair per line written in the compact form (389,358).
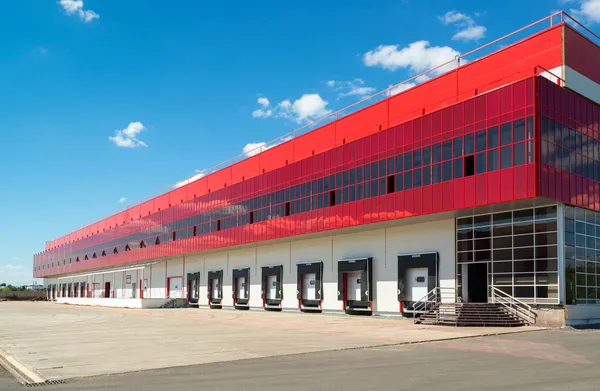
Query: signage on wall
(129,279)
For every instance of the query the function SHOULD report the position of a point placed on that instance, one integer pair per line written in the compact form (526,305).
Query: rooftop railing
(554,19)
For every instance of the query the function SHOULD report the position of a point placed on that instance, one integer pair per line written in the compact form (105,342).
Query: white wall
(121,303)
(383,245)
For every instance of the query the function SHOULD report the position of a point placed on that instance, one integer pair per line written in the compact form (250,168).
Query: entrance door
(133,289)
(477,282)
(107,289)
(309,286)
(354,285)
(175,289)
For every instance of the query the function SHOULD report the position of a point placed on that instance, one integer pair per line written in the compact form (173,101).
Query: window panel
(505,134)
(480,163)
(492,137)
(457,149)
(469,144)
(492,160)
(505,157)
(480,141)
(519,129)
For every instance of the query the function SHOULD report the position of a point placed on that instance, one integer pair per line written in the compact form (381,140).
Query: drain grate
(46,383)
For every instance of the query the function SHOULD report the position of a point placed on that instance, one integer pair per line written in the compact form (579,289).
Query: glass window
(398,182)
(447,171)
(458,168)
(426,156)
(374,188)
(469,144)
(437,153)
(367,173)
(408,181)
(374,170)
(492,137)
(480,163)
(458,147)
(505,134)
(505,157)
(408,161)
(417,178)
(447,150)
(519,154)
(436,173)
(426,175)
(399,163)
(492,160)
(480,141)
(519,130)
(417,158)
(382,168)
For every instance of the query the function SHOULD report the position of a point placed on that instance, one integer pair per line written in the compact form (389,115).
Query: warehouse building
(479,185)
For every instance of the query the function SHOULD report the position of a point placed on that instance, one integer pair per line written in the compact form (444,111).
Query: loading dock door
(271,291)
(193,285)
(354,283)
(175,288)
(215,288)
(271,287)
(416,283)
(309,286)
(241,287)
(417,275)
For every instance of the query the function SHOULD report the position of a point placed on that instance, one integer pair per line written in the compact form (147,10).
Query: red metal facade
(570,139)
(414,120)
(510,107)
(508,65)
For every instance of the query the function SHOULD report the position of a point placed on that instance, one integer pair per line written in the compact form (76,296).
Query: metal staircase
(503,311)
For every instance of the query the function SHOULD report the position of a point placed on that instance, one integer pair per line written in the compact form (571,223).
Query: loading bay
(263,350)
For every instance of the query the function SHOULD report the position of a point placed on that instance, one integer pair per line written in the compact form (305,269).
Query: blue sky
(105,102)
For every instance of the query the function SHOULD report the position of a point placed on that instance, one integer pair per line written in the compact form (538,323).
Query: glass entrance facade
(520,248)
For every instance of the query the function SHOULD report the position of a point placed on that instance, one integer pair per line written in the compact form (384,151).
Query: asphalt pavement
(532,361)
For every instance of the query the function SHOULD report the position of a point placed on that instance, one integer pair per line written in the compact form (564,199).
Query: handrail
(514,305)
(296,132)
(432,298)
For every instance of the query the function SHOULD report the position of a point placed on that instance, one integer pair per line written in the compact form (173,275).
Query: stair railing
(514,306)
(433,298)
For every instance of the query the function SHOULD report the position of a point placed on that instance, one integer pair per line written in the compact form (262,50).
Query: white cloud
(264,102)
(471,33)
(260,113)
(306,108)
(13,267)
(252,149)
(75,7)
(122,199)
(264,111)
(588,11)
(452,17)
(199,174)
(469,30)
(127,138)
(351,87)
(285,105)
(417,57)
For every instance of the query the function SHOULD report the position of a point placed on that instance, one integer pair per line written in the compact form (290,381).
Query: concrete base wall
(582,314)
(121,303)
(550,317)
